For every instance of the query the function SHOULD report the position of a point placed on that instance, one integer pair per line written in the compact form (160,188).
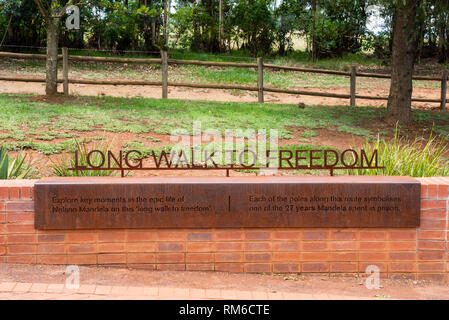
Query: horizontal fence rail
(164,61)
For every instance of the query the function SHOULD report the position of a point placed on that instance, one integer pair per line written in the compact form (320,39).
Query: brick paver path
(50,291)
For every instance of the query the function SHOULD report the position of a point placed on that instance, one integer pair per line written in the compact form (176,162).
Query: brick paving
(57,291)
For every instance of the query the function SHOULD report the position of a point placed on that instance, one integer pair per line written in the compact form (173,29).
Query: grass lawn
(225,75)
(45,128)
(182,73)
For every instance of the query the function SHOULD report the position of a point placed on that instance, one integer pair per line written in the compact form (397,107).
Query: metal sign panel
(227,202)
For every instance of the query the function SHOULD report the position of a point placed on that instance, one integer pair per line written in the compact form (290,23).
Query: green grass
(145,152)
(442,130)
(185,73)
(23,118)
(356,131)
(202,74)
(48,128)
(292,58)
(333,63)
(297,57)
(152,139)
(421,158)
(62,167)
(427,84)
(278,79)
(309,133)
(41,147)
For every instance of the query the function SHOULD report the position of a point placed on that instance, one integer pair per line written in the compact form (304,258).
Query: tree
(220,25)
(198,23)
(52,15)
(314,42)
(255,24)
(441,17)
(338,27)
(289,17)
(150,17)
(405,39)
(19,24)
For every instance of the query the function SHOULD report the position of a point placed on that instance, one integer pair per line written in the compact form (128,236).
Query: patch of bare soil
(223,95)
(400,287)
(116,141)
(325,137)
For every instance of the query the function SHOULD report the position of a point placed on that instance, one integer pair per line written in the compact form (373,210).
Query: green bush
(61,169)
(419,159)
(14,168)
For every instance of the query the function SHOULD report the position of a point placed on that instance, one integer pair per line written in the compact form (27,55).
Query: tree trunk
(403,60)
(442,38)
(196,37)
(420,43)
(220,25)
(441,44)
(51,87)
(165,22)
(314,42)
(153,27)
(281,51)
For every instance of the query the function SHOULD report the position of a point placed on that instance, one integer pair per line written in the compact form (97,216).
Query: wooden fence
(259,66)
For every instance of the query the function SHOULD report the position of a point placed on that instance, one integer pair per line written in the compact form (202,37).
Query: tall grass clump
(61,168)
(14,168)
(421,158)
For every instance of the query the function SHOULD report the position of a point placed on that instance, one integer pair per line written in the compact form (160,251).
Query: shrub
(419,159)
(61,169)
(14,168)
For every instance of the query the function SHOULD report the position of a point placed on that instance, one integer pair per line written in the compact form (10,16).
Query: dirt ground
(398,288)
(330,138)
(43,162)
(222,95)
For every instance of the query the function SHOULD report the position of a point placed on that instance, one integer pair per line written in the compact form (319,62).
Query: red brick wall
(421,253)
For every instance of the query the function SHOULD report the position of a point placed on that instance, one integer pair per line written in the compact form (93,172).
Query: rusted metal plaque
(227,202)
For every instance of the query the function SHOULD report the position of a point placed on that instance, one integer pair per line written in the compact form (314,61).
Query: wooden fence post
(443,90)
(164,57)
(260,79)
(65,69)
(353,84)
